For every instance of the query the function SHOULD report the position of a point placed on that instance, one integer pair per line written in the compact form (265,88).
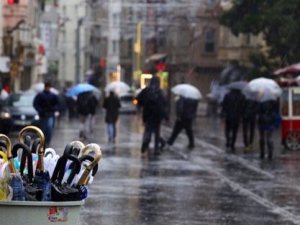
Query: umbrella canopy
(262,85)
(118,87)
(187,91)
(239,85)
(81,88)
(292,69)
(39,87)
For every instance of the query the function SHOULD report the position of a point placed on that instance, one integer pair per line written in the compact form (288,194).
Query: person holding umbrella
(186,109)
(232,110)
(154,104)
(46,104)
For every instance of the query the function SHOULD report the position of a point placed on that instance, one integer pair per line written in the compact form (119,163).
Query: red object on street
(161,67)
(12,2)
(292,69)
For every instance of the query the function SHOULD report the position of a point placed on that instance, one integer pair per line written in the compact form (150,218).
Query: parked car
(20,106)
(128,103)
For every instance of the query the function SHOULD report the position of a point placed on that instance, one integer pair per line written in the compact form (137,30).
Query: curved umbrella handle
(8,153)
(95,149)
(77,147)
(26,152)
(41,136)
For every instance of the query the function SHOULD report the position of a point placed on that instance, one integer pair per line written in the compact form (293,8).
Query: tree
(277,20)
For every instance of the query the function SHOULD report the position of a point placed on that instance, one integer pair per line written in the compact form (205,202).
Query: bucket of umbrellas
(34,179)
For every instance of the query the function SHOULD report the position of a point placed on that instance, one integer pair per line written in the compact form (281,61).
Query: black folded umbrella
(32,191)
(41,177)
(63,191)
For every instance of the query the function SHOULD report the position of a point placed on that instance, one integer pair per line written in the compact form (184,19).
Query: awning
(156,57)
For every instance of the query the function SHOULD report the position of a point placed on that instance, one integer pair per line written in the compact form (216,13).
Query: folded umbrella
(95,150)
(50,160)
(33,192)
(63,191)
(41,176)
(15,180)
(5,193)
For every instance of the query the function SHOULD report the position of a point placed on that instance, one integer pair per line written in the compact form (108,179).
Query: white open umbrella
(187,91)
(39,87)
(266,88)
(118,87)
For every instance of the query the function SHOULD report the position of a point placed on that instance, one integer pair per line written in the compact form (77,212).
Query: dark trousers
(265,139)
(178,127)
(231,129)
(151,128)
(47,125)
(248,131)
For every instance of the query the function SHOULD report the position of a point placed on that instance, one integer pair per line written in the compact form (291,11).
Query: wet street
(204,186)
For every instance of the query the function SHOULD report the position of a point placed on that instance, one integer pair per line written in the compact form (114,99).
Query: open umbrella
(291,69)
(39,87)
(187,91)
(15,180)
(41,176)
(238,85)
(261,85)
(81,88)
(117,87)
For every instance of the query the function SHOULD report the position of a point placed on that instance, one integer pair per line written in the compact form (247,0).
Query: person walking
(154,109)
(186,110)
(86,106)
(232,110)
(111,104)
(249,117)
(267,116)
(46,104)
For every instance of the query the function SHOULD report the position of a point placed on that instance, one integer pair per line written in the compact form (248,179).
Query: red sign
(161,67)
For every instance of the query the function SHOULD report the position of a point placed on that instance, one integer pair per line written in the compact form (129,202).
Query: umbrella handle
(41,136)
(97,156)
(26,152)
(77,147)
(8,152)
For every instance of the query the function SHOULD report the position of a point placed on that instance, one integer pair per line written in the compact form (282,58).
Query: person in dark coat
(46,104)
(154,108)
(186,109)
(86,105)
(112,105)
(267,114)
(249,122)
(232,110)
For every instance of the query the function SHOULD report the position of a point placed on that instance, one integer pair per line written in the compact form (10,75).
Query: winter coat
(186,108)
(46,104)
(250,109)
(233,105)
(153,102)
(112,105)
(86,103)
(267,114)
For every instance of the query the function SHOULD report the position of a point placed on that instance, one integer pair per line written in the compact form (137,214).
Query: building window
(115,46)
(209,40)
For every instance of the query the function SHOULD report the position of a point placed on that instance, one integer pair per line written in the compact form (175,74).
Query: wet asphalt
(206,185)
